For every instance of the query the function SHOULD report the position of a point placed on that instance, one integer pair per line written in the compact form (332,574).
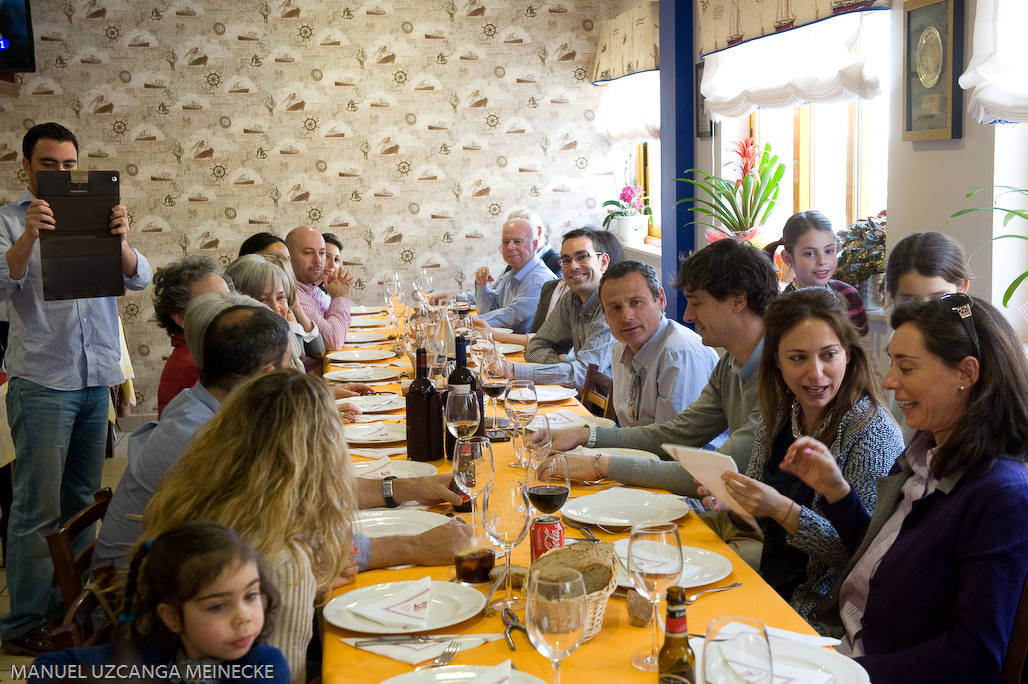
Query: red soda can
(547,533)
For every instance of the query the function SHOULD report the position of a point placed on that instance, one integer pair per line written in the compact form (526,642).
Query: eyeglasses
(579,258)
(961,303)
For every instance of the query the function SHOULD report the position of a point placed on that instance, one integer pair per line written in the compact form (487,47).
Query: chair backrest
(598,392)
(78,629)
(70,567)
(1013,664)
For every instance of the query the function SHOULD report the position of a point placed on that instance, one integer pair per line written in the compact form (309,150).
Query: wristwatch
(387,491)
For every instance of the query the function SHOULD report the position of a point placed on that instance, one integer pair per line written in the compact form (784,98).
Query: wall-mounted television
(17,45)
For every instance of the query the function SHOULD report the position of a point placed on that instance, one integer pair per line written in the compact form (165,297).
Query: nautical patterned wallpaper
(408,128)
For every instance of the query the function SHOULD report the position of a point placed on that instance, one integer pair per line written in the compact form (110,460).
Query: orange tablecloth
(605,658)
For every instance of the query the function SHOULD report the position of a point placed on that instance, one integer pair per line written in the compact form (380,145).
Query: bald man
(307,255)
(512,300)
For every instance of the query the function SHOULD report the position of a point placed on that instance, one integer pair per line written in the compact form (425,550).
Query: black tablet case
(80,258)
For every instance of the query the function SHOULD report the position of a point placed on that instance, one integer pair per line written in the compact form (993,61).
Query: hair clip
(126,617)
(149,544)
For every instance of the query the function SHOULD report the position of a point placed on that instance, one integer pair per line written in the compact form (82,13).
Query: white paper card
(707,466)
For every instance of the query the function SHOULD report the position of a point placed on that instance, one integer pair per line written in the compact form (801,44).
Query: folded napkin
(370,402)
(782,673)
(559,420)
(378,452)
(360,373)
(380,468)
(371,432)
(375,417)
(417,652)
(654,563)
(495,675)
(408,607)
(809,639)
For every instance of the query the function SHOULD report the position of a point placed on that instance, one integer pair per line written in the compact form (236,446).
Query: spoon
(689,600)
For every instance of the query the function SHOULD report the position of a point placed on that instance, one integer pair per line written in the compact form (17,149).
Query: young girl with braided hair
(197,608)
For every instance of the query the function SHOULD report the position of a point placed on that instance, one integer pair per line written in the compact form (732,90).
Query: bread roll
(594,561)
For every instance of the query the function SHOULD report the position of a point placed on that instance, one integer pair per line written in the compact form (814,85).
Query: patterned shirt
(333,321)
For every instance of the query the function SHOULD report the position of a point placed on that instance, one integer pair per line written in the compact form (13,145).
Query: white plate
(450,603)
(362,337)
(350,355)
(374,402)
(502,347)
(503,330)
(366,310)
(366,433)
(635,453)
(457,674)
(794,654)
(368,322)
(546,393)
(623,507)
(566,420)
(396,522)
(401,469)
(699,566)
(378,373)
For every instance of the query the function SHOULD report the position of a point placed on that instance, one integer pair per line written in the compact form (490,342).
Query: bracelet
(592,437)
(596,464)
(788,513)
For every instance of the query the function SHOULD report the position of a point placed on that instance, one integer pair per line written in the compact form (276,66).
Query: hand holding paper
(707,467)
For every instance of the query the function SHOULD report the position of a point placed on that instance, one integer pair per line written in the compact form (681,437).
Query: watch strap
(387,491)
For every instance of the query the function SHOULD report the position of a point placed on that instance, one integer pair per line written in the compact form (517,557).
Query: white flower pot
(633,229)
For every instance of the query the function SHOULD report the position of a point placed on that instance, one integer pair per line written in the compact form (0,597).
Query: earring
(961,388)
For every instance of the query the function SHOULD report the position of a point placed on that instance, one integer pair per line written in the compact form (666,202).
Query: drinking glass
(736,650)
(493,372)
(556,614)
(427,284)
(548,481)
(536,437)
(654,563)
(463,415)
(396,303)
(505,517)
(473,468)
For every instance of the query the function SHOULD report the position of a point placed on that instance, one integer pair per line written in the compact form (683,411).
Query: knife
(420,639)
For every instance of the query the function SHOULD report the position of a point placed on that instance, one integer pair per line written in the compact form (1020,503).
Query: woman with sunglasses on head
(931,590)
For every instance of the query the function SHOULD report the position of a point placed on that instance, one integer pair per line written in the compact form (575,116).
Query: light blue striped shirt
(512,303)
(62,345)
(668,374)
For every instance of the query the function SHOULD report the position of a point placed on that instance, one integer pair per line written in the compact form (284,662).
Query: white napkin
(379,469)
(409,607)
(654,563)
(781,673)
(371,432)
(375,417)
(559,420)
(495,675)
(371,402)
(414,653)
(809,639)
(360,373)
(378,452)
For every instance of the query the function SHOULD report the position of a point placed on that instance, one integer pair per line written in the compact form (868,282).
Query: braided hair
(175,567)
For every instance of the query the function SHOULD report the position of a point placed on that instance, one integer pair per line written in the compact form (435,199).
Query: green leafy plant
(1010,215)
(735,209)
(862,251)
(632,202)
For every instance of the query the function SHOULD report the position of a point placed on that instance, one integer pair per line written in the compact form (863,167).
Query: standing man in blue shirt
(64,355)
(512,302)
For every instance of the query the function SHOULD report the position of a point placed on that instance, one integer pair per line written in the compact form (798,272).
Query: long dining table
(603,659)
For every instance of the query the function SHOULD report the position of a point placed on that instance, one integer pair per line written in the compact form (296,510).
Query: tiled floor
(113,468)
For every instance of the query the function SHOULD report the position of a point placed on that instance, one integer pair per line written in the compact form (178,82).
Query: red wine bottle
(462,380)
(424,415)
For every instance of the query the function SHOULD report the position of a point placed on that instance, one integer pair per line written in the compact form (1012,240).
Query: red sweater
(179,373)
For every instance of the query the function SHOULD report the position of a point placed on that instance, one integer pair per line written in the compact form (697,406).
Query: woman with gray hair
(174,286)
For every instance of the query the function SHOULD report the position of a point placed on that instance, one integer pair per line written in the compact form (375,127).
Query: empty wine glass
(735,649)
(427,284)
(395,304)
(493,374)
(521,404)
(556,614)
(548,481)
(505,517)
(473,468)
(654,563)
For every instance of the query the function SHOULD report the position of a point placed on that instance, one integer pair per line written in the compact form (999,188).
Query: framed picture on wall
(933,57)
(704,126)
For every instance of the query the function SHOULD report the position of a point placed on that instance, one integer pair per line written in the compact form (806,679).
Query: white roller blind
(997,73)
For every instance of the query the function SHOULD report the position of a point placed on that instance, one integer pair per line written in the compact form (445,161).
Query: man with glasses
(511,303)
(575,333)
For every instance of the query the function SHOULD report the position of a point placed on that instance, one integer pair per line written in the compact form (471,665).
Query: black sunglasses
(961,303)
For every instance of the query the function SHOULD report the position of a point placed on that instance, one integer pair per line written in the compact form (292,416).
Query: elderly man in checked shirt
(659,366)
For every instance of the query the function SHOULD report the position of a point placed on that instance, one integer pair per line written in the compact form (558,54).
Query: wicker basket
(596,602)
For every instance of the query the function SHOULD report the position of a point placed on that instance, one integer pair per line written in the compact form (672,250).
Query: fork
(579,526)
(444,658)
(689,600)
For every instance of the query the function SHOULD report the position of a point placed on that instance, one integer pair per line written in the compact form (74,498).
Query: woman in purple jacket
(935,577)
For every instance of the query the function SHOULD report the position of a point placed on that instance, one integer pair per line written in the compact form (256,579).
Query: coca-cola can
(547,533)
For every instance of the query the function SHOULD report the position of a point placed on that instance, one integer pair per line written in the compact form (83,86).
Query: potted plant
(1011,214)
(631,213)
(862,255)
(737,208)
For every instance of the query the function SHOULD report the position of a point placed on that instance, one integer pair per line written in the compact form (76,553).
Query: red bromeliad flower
(749,158)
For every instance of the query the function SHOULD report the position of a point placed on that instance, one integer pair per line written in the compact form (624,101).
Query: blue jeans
(59,439)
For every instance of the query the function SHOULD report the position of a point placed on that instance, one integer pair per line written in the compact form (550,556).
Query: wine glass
(505,517)
(427,284)
(462,416)
(548,481)
(473,468)
(395,304)
(536,437)
(493,372)
(556,614)
(654,563)
(735,650)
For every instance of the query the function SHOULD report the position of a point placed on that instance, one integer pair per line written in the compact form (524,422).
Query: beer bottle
(676,662)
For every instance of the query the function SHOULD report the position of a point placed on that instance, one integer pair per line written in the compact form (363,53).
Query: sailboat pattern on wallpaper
(357,118)
(727,23)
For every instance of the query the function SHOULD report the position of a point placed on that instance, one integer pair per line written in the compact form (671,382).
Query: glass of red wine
(548,481)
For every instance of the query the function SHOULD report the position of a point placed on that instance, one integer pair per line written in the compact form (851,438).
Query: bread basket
(596,602)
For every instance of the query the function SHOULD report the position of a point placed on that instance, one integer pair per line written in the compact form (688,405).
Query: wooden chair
(598,393)
(78,629)
(1013,664)
(69,567)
